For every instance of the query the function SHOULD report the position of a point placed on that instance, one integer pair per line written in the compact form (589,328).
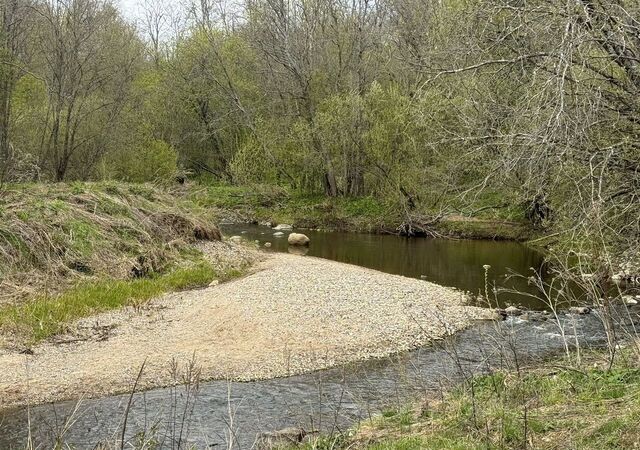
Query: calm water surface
(449,262)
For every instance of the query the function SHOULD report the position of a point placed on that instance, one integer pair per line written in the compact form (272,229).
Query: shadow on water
(449,262)
(329,400)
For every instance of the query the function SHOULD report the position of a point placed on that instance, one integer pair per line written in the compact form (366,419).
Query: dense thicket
(416,102)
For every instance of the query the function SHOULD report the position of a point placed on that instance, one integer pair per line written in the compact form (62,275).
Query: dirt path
(295,314)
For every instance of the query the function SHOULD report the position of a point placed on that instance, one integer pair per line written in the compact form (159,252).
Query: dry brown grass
(52,235)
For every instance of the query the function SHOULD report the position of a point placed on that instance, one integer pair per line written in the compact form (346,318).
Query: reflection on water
(449,262)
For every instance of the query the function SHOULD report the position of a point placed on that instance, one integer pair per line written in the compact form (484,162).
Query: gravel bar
(294,314)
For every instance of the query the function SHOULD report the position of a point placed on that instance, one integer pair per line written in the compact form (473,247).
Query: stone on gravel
(580,310)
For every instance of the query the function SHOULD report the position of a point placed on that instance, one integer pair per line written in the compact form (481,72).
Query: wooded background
(415,102)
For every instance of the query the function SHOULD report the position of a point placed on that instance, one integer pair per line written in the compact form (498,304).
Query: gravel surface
(294,314)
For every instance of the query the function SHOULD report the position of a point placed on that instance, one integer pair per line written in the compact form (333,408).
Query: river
(331,400)
(449,262)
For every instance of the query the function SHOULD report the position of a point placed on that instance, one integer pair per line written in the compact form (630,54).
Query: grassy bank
(72,250)
(54,235)
(68,251)
(553,407)
(363,214)
(45,316)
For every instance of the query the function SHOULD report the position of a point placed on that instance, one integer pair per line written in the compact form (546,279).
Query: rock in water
(497,315)
(286,438)
(513,311)
(298,239)
(236,239)
(534,316)
(283,226)
(267,244)
(581,310)
(278,234)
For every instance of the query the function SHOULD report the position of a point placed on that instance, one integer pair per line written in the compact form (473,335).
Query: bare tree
(87,61)
(14,28)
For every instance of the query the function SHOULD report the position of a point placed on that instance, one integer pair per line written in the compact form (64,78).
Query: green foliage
(445,110)
(148,161)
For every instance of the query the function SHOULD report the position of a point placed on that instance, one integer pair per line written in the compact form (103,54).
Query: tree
(14,28)
(87,56)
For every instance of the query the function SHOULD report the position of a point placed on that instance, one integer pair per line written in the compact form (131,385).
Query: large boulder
(298,239)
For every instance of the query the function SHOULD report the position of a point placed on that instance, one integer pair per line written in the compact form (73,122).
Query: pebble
(580,310)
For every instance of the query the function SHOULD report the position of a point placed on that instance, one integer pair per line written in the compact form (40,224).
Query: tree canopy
(423,104)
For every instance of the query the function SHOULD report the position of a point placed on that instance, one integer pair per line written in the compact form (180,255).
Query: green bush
(149,161)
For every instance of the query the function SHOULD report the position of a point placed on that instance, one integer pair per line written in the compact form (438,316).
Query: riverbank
(490,219)
(554,404)
(294,315)
(56,236)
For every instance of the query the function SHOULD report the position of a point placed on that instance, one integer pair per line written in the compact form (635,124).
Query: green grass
(46,316)
(586,407)
(51,233)
(363,214)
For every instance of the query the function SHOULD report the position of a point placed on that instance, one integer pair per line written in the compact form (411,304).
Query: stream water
(329,400)
(448,262)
